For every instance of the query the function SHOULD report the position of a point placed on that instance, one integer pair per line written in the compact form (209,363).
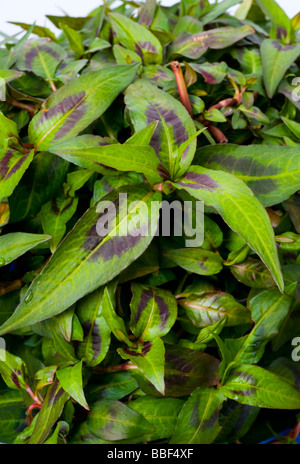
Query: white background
(28,11)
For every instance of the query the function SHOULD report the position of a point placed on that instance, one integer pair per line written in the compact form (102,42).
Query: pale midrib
(66,115)
(204,308)
(203,416)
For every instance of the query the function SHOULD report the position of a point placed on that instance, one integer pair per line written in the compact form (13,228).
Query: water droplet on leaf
(28,297)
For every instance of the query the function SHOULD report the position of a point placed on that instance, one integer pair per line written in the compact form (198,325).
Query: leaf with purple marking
(153,311)
(149,358)
(281,23)
(210,307)
(50,411)
(256,386)
(13,164)
(195,45)
(162,413)
(185,370)
(213,73)
(136,37)
(240,210)
(40,56)
(146,103)
(77,104)
(112,420)
(272,172)
(196,260)
(276,59)
(13,370)
(97,154)
(91,255)
(253,273)
(95,344)
(198,420)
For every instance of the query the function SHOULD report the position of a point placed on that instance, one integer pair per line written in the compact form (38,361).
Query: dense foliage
(133,337)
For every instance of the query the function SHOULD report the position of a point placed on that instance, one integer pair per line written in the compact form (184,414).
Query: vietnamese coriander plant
(111,331)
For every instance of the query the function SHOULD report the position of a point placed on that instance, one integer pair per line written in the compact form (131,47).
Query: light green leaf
(70,379)
(16,244)
(94,153)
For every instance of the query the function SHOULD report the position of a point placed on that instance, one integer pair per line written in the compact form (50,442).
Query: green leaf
(269,310)
(195,45)
(214,115)
(239,209)
(115,323)
(74,38)
(276,59)
(196,260)
(146,104)
(49,413)
(37,30)
(40,56)
(93,153)
(16,244)
(209,308)
(198,419)
(39,184)
(95,344)
(13,164)
(61,428)
(70,379)
(54,215)
(150,360)
(13,370)
(293,126)
(85,260)
(12,415)
(256,386)
(77,104)
(272,173)
(112,420)
(153,311)
(162,413)
(114,386)
(137,38)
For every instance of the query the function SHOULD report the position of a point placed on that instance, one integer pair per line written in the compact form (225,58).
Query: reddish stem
(217,134)
(183,94)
